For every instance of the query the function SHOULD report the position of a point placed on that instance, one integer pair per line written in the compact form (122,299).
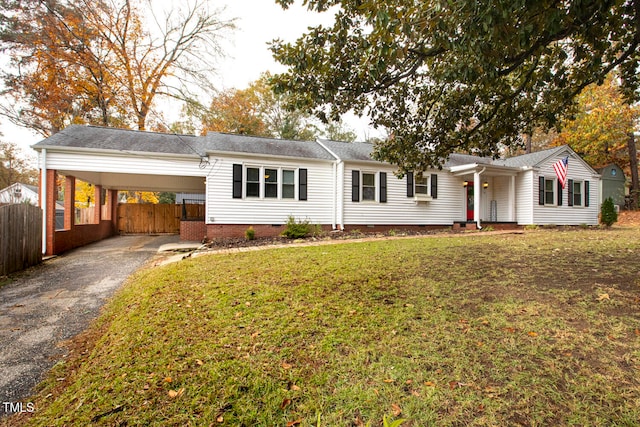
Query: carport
(113,160)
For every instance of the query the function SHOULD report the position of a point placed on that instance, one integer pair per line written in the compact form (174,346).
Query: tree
(14,167)
(82,61)
(339,131)
(256,111)
(599,131)
(460,75)
(235,111)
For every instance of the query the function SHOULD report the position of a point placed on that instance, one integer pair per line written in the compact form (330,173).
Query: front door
(470,198)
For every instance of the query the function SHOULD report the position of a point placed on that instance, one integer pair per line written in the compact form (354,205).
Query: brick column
(97,205)
(50,214)
(69,202)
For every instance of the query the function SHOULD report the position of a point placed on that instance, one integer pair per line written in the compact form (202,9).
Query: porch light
(485,185)
(465,183)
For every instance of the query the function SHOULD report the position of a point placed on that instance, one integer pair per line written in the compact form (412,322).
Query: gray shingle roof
(531,159)
(102,138)
(225,142)
(350,151)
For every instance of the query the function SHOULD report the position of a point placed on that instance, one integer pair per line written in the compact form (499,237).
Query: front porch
(489,194)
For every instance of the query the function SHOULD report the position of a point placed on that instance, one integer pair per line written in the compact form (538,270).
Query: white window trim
(262,182)
(376,187)
(573,193)
(422,197)
(554,187)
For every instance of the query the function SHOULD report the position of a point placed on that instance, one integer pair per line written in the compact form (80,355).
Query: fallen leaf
(430,384)
(286,365)
(637,332)
(199,362)
(602,297)
(396,409)
(509,329)
(295,387)
(453,384)
(415,393)
(409,382)
(388,380)
(220,419)
(532,334)
(173,393)
(168,380)
(294,423)
(285,403)
(248,304)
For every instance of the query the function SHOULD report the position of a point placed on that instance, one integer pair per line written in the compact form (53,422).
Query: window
(253,182)
(369,186)
(549,191)
(577,193)
(271,183)
(288,184)
(276,183)
(422,184)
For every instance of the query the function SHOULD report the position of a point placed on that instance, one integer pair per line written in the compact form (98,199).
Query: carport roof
(102,138)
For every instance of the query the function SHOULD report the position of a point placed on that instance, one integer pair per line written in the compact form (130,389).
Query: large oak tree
(103,61)
(458,75)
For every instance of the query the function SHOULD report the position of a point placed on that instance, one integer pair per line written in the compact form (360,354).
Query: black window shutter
(586,194)
(409,184)
(570,183)
(383,187)
(541,190)
(237,181)
(355,186)
(302,184)
(559,193)
(434,186)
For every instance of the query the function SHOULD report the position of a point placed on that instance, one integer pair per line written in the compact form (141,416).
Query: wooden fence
(142,218)
(20,237)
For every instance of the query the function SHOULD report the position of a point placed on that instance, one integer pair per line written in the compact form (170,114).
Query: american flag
(561,170)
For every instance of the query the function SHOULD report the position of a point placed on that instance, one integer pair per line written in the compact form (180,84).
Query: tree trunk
(527,139)
(633,165)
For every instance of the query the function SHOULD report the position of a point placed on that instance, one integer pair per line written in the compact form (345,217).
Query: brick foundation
(193,230)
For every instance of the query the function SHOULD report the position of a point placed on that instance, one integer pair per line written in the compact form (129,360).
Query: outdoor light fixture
(465,183)
(485,185)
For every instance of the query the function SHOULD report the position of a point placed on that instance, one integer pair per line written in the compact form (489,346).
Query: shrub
(298,229)
(608,214)
(250,233)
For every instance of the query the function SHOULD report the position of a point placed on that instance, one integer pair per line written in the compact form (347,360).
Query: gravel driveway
(55,301)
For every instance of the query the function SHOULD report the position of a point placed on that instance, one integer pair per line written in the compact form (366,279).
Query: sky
(258,22)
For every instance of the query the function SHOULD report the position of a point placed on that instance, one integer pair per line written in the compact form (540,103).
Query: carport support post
(69,202)
(51,194)
(97,205)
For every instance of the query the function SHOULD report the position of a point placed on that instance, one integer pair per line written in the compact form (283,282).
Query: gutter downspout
(43,198)
(476,197)
(336,202)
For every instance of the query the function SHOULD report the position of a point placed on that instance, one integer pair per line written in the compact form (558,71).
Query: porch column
(477,188)
(512,199)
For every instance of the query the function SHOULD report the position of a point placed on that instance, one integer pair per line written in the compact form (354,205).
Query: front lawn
(535,329)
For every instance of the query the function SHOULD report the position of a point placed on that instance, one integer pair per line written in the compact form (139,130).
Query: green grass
(536,329)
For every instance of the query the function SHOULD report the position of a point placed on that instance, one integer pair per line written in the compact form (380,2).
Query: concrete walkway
(55,301)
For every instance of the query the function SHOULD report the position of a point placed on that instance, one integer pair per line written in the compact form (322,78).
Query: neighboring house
(613,184)
(261,182)
(19,193)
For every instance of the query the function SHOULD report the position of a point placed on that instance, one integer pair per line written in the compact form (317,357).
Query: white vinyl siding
(222,208)
(565,214)
(400,209)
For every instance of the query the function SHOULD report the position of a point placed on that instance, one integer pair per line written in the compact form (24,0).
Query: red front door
(470,198)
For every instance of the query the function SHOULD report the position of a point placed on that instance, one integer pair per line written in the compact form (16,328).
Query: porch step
(464,225)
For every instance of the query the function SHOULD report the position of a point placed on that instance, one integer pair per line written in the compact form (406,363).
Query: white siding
(400,209)
(498,191)
(565,214)
(127,163)
(222,208)
(526,195)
